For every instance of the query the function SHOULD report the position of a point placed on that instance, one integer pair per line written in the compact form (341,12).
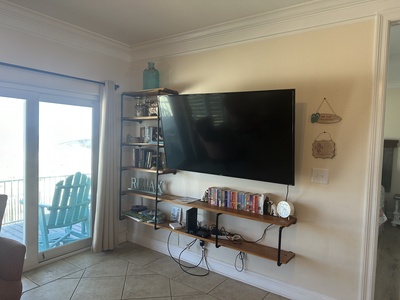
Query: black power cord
(184,267)
(240,256)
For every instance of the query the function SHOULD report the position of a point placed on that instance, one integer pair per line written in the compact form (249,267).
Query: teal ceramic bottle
(151,77)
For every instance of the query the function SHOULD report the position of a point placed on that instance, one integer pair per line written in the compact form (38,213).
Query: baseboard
(248,277)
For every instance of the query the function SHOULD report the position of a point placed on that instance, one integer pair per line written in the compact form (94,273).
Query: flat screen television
(248,135)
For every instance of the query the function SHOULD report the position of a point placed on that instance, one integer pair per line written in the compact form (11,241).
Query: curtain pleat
(105,233)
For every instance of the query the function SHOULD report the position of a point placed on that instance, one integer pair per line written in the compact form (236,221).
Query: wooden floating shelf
(161,172)
(139,119)
(150,196)
(141,144)
(246,247)
(285,222)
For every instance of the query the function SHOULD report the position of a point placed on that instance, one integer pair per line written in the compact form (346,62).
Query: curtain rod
(116,86)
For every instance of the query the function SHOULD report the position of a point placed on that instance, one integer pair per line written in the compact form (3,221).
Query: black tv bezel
(292,91)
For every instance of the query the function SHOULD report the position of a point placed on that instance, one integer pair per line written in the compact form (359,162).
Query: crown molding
(18,18)
(288,21)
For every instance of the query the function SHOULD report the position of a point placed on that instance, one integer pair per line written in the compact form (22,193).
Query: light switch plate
(320,175)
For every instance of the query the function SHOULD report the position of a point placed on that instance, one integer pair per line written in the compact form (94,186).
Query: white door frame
(373,188)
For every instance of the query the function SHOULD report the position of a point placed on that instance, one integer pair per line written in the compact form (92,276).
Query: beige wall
(336,63)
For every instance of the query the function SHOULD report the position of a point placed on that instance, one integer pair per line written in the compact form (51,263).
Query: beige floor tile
(197,297)
(141,256)
(123,248)
(87,258)
(271,296)
(100,288)
(201,283)
(61,289)
(165,266)
(110,267)
(76,275)
(134,269)
(27,284)
(146,286)
(51,272)
(234,290)
(179,289)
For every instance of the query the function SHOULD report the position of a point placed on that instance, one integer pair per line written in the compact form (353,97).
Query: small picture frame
(176,214)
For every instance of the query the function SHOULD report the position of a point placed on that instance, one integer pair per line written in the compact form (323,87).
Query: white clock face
(285,209)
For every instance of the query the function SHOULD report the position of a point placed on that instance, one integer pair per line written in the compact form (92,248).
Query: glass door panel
(12,120)
(65,165)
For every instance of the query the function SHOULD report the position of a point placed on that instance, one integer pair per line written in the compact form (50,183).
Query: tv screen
(246,135)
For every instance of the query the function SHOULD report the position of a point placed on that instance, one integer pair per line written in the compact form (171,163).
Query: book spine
(252,202)
(142,134)
(213,196)
(228,194)
(240,201)
(233,200)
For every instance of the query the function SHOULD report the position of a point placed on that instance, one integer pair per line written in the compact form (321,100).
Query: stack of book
(147,158)
(240,200)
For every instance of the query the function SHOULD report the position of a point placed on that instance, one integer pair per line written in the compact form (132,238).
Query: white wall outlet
(320,175)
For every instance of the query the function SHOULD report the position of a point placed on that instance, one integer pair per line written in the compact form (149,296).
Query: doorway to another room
(388,257)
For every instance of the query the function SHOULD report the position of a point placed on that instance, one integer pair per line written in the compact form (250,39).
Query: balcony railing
(14,189)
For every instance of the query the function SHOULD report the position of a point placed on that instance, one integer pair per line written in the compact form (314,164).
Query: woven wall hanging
(323,148)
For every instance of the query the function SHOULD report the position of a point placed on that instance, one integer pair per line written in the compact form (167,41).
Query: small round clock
(285,209)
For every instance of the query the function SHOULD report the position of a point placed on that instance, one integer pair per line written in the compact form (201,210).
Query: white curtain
(105,233)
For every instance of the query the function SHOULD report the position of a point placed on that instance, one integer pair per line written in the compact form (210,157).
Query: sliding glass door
(47,171)
(65,175)
(12,177)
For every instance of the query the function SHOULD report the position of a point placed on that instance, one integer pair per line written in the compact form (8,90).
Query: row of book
(147,158)
(240,200)
(150,135)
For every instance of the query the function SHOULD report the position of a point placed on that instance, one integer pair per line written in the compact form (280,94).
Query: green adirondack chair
(70,206)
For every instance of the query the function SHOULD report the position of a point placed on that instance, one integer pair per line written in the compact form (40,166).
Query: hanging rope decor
(325,118)
(323,148)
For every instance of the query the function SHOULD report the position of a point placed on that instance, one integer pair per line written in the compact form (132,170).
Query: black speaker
(191,220)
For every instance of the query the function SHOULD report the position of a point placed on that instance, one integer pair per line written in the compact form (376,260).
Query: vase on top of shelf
(150,77)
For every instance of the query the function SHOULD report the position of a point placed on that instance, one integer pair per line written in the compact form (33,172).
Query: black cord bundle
(229,235)
(240,256)
(182,266)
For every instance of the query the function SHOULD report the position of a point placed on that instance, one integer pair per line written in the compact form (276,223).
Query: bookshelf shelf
(163,171)
(139,119)
(136,156)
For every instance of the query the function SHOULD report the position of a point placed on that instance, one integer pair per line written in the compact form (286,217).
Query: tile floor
(387,285)
(130,272)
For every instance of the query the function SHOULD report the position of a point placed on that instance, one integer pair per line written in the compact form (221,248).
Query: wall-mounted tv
(246,135)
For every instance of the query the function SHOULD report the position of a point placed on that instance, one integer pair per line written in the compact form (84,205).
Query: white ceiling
(136,21)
